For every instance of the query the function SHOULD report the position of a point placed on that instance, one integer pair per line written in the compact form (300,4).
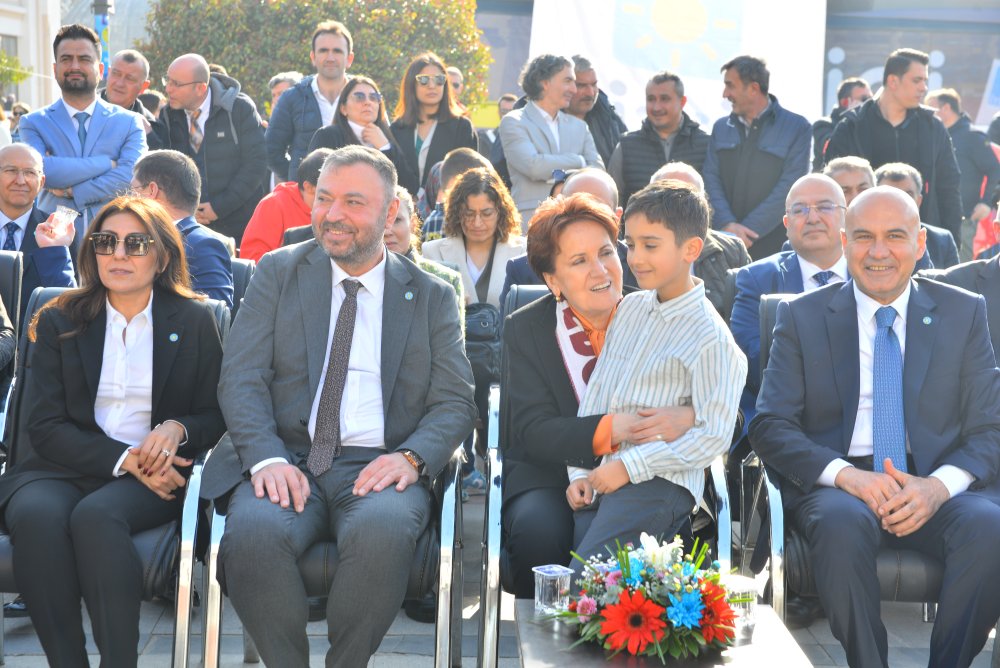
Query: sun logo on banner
(691,33)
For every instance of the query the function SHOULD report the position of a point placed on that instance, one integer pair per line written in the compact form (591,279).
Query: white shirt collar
(373,280)
(205,107)
(809,269)
(546,115)
(868,306)
(73,112)
(114,314)
(21,221)
(358,129)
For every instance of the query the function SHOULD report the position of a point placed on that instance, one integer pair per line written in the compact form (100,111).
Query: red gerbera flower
(718,620)
(633,622)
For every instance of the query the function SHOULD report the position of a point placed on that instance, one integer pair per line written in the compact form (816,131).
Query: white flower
(658,554)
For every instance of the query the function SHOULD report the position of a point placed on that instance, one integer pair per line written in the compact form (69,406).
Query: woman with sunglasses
(361,119)
(16,112)
(123,398)
(429,122)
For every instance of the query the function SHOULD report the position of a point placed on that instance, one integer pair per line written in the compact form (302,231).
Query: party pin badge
(174,337)
(408,296)
(927,320)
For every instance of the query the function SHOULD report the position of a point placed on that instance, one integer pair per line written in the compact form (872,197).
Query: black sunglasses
(136,244)
(361,96)
(426,79)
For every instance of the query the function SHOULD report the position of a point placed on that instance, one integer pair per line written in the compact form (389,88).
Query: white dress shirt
(72,111)
(955,479)
(362,415)
(358,129)
(551,122)
(809,271)
(123,408)
(326,108)
(22,224)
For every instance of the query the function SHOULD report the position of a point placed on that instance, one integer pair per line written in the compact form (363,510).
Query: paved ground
(410,644)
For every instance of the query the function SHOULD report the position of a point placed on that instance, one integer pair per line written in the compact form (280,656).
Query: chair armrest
(185,569)
(723,514)
(776,515)
(451,521)
(489,595)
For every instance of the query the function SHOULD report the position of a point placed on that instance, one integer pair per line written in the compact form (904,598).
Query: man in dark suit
(880,414)
(346,389)
(48,249)
(172,179)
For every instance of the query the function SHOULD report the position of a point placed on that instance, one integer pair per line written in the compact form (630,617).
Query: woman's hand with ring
(157,453)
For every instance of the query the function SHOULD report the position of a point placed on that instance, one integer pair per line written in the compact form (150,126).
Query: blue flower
(686,610)
(635,566)
(689,569)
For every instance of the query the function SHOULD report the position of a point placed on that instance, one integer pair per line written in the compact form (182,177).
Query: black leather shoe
(801,611)
(16,608)
(317,609)
(422,610)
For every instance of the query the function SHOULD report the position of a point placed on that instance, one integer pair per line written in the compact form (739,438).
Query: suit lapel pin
(173,337)
(927,320)
(408,296)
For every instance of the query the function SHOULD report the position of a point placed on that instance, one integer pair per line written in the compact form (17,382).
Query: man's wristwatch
(416,461)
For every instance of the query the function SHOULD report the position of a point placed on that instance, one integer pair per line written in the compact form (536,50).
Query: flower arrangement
(653,600)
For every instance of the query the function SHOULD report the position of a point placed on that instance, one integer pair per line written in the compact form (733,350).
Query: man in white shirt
(346,389)
(880,413)
(311,103)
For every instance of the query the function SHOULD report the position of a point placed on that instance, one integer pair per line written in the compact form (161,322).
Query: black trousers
(72,538)
(537,530)
(844,537)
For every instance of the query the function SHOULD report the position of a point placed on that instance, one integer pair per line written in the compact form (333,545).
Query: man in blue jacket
(754,156)
(311,103)
(171,178)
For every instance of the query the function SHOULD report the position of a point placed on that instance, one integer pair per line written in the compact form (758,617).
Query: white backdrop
(630,40)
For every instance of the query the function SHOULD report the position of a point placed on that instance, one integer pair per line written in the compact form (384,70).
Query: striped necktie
(194,132)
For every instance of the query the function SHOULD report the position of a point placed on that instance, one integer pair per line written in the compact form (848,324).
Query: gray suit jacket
(275,352)
(532,155)
(982,277)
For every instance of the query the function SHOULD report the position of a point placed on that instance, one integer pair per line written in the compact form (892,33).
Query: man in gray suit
(539,138)
(345,388)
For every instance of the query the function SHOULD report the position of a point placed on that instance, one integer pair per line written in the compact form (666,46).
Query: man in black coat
(667,135)
(852,92)
(893,127)
(591,105)
(210,120)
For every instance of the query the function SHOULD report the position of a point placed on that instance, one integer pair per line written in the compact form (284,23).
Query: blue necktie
(888,425)
(81,128)
(8,241)
(823,277)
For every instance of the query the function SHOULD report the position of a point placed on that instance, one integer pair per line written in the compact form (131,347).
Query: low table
(546,642)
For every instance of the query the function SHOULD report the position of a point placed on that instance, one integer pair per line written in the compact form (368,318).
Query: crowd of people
(373,327)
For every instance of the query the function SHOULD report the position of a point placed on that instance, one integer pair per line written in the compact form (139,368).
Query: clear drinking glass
(743,600)
(63,219)
(552,588)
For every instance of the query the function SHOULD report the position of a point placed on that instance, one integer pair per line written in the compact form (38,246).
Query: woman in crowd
(552,346)
(428,120)
(124,387)
(533,154)
(361,119)
(403,237)
(481,232)
(16,112)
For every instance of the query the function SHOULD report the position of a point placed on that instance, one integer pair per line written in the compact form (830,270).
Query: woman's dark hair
(481,181)
(408,108)
(539,69)
(340,118)
(552,218)
(82,305)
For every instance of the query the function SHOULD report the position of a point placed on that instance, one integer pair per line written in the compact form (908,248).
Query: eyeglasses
(361,96)
(136,244)
(170,83)
(802,210)
(469,215)
(427,79)
(28,173)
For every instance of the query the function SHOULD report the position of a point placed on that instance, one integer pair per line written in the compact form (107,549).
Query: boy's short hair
(459,161)
(676,205)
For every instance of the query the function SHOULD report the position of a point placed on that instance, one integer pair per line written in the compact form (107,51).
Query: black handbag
(482,331)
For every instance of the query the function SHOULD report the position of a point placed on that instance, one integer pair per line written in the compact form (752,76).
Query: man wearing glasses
(211,121)
(89,146)
(311,103)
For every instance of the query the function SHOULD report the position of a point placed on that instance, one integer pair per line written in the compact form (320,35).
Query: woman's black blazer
(65,441)
(332,136)
(448,135)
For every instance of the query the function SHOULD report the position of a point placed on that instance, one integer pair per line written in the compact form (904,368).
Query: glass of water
(552,588)
(743,600)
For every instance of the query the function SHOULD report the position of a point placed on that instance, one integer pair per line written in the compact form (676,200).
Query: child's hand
(607,478)
(580,494)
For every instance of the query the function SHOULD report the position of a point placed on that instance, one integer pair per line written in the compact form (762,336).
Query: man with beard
(346,388)
(89,146)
